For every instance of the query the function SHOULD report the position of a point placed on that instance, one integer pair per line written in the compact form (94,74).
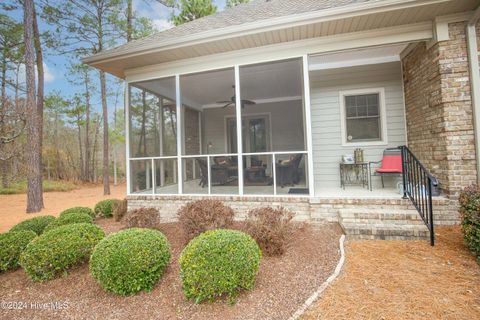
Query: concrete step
(385,231)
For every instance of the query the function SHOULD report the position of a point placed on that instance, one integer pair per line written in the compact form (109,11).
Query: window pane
(372,99)
(363,129)
(195,175)
(350,101)
(362,100)
(372,110)
(351,111)
(362,111)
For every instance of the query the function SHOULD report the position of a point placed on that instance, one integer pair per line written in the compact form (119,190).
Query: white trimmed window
(363,117)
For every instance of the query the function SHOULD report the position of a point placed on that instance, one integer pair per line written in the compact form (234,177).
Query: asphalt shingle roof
(255,10)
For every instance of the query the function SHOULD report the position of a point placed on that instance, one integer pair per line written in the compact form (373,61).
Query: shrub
(202,215)
(219,262)
(69,218)
(12,245)
(271,229)
(37,224)
(119,209)
(60,249)
(104,208)
(131,260)
(143,218)
(470,212)
(86,210)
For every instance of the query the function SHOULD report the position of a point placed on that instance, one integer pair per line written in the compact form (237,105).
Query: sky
(56,66)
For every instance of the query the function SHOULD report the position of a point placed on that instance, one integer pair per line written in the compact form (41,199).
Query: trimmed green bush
(69,218)
(104,208)
(219,263)
(130,261)
(12,245)
(86,210)
(470,212)
(37,224)
(59,249)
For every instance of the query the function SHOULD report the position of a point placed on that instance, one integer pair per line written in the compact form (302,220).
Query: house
(259,105)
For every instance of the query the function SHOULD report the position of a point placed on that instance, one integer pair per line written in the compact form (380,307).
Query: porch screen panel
(272,107)
(207,106)
(153,137)
(273,128)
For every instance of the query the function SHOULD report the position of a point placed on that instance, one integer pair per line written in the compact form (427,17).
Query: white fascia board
(294,49)
(261,26)
(353,63)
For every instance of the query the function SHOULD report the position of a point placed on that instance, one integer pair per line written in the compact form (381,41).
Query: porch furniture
(221,174)
(390,165)
(354,174)
(203,172)
(287,170)
(256,176)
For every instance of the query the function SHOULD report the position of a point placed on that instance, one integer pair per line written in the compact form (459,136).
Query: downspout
(473,55)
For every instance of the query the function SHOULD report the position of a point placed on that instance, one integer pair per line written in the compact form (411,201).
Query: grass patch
(48,186)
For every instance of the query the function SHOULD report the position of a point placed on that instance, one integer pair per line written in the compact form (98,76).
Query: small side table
(354,174)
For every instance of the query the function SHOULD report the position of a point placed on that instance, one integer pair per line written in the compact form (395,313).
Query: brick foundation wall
(311,210)
(439,111)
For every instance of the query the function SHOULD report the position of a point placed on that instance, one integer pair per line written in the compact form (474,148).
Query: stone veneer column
(439,110)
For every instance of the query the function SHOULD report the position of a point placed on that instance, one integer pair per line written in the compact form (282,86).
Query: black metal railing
(418,185)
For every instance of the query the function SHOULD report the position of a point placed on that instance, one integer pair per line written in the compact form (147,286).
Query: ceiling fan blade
(222,102)
(244,101)
(228,105)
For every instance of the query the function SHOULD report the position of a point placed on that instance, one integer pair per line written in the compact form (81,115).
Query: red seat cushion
(391,164)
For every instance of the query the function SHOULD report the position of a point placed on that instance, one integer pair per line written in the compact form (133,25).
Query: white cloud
(162,24)
(48,74)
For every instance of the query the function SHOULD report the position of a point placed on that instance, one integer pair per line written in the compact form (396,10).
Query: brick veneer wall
(439,110)
(312,210)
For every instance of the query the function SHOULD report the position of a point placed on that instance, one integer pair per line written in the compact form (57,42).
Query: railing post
(404,179)
(430,212)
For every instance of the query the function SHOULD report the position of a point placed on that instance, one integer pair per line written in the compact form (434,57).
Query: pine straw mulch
(404,280)
(283,284)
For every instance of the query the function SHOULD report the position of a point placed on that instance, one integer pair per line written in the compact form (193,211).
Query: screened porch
(234,131)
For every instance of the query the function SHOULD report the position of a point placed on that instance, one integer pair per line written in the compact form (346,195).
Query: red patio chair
(390,165)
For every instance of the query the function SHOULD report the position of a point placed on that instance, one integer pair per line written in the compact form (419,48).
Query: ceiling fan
(232,101)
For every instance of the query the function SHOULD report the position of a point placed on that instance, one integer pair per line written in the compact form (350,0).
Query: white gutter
(349,11)
(473,55)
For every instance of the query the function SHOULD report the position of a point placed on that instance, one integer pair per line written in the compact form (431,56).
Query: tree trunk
(82,167)
(87,126)
(106,180)
(129,20)
(40,88)
(4,164)
(34,177)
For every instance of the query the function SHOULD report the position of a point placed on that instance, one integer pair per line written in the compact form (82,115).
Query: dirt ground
(404,280)
(12,207)
(282,285)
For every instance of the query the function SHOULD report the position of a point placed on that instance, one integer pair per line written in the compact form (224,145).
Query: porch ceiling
(251,35)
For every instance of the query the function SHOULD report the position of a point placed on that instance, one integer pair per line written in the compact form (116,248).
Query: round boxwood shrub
(470,212)
(131,260)
(69,218)
(37,224)
(59,249)
(104,208)
(86,210)
(219,263)
(12,245)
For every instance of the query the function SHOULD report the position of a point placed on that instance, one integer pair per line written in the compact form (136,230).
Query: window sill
(364,143)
